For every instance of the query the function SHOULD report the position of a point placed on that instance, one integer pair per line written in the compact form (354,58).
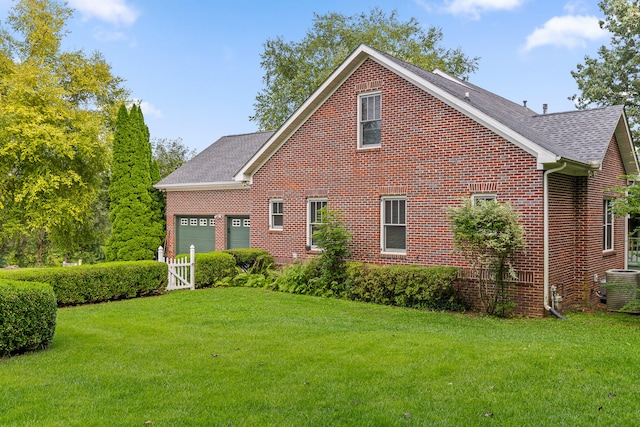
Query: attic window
(369,119)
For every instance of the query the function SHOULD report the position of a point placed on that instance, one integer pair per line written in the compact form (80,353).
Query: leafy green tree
(170,154)
(613,78)
(55,131)
(293,70)
(488,235)
(137,230)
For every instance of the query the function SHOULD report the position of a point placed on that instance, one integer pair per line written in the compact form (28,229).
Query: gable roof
(216,165)
(579,138)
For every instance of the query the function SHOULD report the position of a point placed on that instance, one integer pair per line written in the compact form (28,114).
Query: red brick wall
(590,258)
(430,152)
(209,202)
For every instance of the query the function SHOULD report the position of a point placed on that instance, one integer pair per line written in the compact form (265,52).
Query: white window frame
(310,224)
(273,214)
(246,222)
(361,144)
(193,222)
(608,222)
(184,221)
(384,222)
(236,222)
(476,199)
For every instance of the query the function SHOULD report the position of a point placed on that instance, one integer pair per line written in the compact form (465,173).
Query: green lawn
(248,357)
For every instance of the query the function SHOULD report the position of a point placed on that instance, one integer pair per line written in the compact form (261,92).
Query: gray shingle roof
(579,135)
(219,162)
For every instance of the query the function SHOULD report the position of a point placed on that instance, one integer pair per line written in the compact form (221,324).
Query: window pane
(401,212)
(277,220)
(371,133)
(314,228)
(396,237)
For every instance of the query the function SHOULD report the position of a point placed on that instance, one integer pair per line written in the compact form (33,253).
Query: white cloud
(566,31)
(576,6)
(474,8)
(117,12)
(150,110)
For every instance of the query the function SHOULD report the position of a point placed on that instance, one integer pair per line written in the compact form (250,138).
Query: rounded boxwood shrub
(27,316)
(250,260)
(212,268)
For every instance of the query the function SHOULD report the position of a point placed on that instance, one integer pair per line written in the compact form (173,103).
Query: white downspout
(546,234)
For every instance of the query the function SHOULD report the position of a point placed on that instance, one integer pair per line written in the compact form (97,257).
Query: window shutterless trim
(375,116)
(273,214)
(607,226)
(482,197)
(393,215)
(317,204)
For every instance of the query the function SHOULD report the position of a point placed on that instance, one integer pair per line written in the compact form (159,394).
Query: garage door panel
(197,231)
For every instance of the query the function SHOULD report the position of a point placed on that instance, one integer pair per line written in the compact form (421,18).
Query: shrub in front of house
(98,282)
(27,316)
(212,268)
(403,286)
(300,278)
(253,261)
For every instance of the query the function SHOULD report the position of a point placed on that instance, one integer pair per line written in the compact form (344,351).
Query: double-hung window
(607,226)
(394,224)
(275,214)
(314,219)
(369,120)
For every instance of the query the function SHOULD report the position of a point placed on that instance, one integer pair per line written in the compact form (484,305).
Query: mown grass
(247,357)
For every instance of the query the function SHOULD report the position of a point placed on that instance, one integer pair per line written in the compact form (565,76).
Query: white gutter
(199,186)
(546,234)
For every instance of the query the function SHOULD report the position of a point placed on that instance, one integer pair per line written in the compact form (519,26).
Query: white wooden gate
(181,271)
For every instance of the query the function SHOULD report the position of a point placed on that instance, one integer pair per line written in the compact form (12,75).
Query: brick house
(205,206)
(394,146)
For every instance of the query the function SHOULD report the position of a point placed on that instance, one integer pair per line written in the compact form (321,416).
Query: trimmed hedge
(255,261)
(403,286)
(27,316)
(98,282)
(212,268)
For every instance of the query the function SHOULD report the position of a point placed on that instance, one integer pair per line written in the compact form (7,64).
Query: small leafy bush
(27,316)
(488,235)
(257,261)
(333,238)
(212,268)
(298,278)
(98,282)
(404,286)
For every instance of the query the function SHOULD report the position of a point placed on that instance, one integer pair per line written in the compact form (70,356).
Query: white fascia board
(625,145)
(200,186)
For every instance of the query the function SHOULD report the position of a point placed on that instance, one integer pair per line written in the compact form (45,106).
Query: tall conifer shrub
(137,225)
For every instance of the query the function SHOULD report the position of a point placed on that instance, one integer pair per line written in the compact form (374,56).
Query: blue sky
(195,65)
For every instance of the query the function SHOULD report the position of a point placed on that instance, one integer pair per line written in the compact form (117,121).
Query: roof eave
(626,147)
(199,186)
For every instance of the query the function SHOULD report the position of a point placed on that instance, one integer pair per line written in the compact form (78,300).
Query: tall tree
(55,129)
(137,229)
(293,70)
(170,154)
(613,78)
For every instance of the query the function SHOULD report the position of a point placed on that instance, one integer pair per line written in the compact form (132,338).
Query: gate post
(192,262)
(160,254)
